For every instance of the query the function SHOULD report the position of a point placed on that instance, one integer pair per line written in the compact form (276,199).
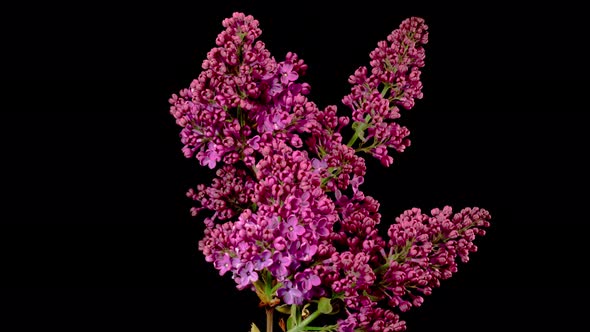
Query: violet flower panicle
(287,214)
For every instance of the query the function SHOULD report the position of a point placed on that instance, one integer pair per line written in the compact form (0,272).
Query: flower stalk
(269,319)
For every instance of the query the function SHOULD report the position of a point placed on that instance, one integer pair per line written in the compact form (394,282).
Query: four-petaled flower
(223,263)
(287,73)
(211,157)
(292,229)
(263,260)
(246,275)
(290,293)
(280,264)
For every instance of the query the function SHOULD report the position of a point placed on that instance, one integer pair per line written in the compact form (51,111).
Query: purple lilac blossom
(393,82)
(287,195)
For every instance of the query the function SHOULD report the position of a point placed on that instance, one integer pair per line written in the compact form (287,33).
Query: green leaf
(254,328)
(284,309)
(293,320)
(361,135)
(290,322)
(277,286)
(324,305)
(337,305)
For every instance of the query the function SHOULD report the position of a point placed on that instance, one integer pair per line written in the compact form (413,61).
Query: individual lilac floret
(290,293)
(287,74)
(291,228)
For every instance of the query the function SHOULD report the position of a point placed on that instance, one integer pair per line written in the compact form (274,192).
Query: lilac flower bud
(280,243)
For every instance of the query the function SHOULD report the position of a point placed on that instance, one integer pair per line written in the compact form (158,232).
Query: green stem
(311,328)
(385,89)
(269,320)
(353,138)
(305,322)
(360,129)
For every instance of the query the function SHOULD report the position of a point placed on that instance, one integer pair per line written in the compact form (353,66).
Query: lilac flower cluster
(394,82)
(287,216)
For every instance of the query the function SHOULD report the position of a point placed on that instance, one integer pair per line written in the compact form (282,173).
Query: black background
(96,232)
